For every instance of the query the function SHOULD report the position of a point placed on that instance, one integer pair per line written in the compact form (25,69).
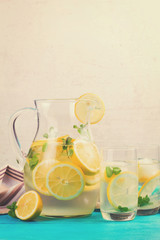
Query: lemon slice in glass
(65,181)
(122,190)
(29,206)
(86,156)
(89,108)
(39,176)
(150,185)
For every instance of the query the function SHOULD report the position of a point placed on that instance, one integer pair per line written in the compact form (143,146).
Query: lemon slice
(86,155)
(89,107)
(150,185)
(39,176)
(92,180)
(65,181)
(122,190)
(91,188)
(29,206)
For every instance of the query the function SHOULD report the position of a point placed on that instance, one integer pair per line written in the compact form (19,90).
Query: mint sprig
(123,209)
(142,201)
(50,133)
(33,161)
(67,144)
(33,158)
(110,171)
(80,128)
(12,208)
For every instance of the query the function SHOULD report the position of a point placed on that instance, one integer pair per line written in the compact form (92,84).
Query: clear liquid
(84,204)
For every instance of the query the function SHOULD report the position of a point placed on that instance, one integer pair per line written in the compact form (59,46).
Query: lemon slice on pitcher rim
(89,107)
(39,176)
(86,156)
(150,185)
(65,181)
(29,206)
(122,190)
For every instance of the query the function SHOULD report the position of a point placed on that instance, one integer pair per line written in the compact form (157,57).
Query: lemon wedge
(89,108)
(65,181)
(29,206)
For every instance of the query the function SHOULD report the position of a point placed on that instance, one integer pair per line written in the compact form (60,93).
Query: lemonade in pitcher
(63,162)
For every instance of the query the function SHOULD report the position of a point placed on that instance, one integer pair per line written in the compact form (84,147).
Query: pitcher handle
(20,155)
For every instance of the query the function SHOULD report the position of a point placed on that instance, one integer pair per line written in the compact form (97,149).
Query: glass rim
(60,100)
(56,99)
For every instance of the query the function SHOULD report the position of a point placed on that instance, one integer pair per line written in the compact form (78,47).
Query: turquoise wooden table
(92,227)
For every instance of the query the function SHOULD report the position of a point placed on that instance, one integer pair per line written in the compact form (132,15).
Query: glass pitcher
(63,162)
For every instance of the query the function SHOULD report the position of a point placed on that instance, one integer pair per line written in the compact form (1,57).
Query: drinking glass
(149,180)
(119,184)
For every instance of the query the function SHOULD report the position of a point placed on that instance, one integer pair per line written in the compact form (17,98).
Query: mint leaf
(70,152)
(109,172)
(64,147)
(142,201)
(79,130)
(68,141)
(12,208)
(116,170)
(30,153)
(17,161)
(44,147)
(33,161)
(123,209)
(45,135)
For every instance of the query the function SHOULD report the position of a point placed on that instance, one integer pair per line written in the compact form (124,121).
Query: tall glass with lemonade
(119,184)
(149,179)
(63,162)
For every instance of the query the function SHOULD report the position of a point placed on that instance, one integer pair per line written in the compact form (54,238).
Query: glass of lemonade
(63,162)
(149,180)
(119,184)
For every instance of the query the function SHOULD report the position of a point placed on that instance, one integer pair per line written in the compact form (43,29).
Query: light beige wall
(63,48)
